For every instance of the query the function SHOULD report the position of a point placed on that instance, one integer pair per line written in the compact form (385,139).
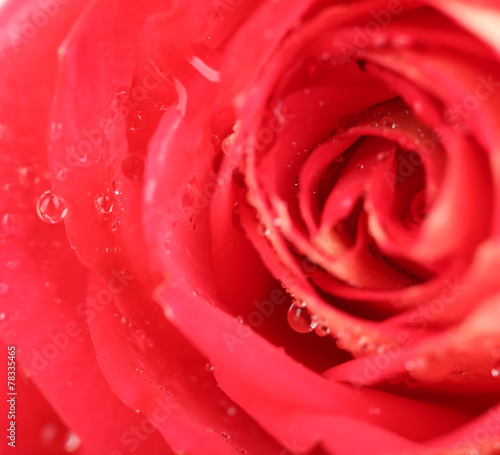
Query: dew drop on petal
(51,208)
(277,222)
(495,371)
(72,442)
(209,367)
(322,330)
(226,436)
(117,186)
(300,320)
(138,123)
(382,156)
(410,365)
(299,303)
(262,229)
(104,203)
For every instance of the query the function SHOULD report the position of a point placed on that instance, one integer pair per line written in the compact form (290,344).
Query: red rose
(280,229)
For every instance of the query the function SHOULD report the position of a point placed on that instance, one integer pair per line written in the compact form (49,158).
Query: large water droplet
(300,320)
(133,166)
(104,203)
(51,208)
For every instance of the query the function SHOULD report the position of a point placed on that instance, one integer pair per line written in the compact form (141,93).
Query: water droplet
(159,106)
(262,229)
(322,330)
(299,303)
(382,156)
(2,316)
(4,287)
(410,365)
(138,122)
(51,208)
(122,95)
(231,411)
(209,367)
(339,159)
(387,122)
(104,203)
(374,411)
(72,442)
(133,166)
(495,371)
(226,436)
(227,143)
(117,186)
(401,41)
(300,320)
(214,140)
